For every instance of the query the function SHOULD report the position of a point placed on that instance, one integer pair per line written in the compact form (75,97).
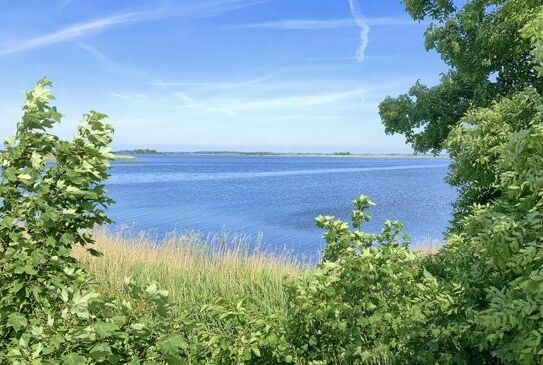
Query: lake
(277,197)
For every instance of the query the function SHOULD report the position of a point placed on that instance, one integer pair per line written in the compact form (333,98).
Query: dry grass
(193,269)
(428,247)
(198,270)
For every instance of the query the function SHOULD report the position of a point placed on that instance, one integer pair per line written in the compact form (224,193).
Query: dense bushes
(505,242)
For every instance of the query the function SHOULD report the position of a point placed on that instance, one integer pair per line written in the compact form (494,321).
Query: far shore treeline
(306,154)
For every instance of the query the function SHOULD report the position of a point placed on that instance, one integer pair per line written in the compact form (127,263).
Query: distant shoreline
(286,154)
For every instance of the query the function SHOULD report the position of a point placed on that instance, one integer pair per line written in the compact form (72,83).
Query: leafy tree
(487,58)
(495,253)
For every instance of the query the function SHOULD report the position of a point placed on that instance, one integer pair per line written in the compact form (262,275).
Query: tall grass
(195,270)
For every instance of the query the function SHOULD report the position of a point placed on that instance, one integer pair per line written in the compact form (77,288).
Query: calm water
(276,196)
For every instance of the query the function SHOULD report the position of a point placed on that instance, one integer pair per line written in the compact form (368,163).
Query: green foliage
(487,58)
(476,144)
(50,311)
(338,316)
(489,48)
(499,245)
(372,300)
(242,336)
(513,249)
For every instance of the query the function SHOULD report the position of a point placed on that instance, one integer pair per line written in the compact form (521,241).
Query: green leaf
(74,359)
(17,321)
(171,345)
(100,352)
(104,329)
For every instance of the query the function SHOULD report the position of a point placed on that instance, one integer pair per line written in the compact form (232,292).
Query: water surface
(277,197)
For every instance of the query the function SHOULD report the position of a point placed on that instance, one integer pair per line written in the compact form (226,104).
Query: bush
(339,316)
(502,245)
(50,311)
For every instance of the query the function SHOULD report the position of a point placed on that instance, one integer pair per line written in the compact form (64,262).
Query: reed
(196,270)
(430,247)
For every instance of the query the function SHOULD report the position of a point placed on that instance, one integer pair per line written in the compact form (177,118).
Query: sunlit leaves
(52,194)
(487,58)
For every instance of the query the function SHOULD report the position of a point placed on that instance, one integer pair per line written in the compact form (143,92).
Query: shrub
(367,301)
(50,311)
(501,246)
(496,252)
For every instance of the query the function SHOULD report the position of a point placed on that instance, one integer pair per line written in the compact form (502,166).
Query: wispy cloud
(111,65)
(297,101)
(212,86)
(64,3)
(200,9)
(298,24)
(188,102)
(237,106)
(317,24)
(135,98)
(354,6)
(70,33)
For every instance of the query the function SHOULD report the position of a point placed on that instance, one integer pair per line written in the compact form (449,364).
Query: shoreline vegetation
(131,153)
(196,269)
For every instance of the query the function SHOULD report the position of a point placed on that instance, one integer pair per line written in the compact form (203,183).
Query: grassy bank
(195,270)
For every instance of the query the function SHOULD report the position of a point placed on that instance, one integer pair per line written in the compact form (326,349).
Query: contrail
(364,29)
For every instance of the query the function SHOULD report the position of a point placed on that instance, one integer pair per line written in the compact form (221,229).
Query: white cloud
(69,33)
(80,30)
(135,98)
(64,3)
(295,101)
(299,24)
(111,65)
(188,102)
(364,29)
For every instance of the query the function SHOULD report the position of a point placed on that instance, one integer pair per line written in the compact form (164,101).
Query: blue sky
(250,75)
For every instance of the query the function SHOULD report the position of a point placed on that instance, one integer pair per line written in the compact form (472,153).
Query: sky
(245,75)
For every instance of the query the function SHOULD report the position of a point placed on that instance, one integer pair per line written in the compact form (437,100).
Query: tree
(487,59)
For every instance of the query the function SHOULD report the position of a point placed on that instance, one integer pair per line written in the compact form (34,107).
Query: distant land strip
(127,153)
